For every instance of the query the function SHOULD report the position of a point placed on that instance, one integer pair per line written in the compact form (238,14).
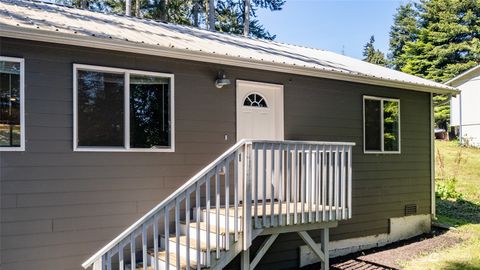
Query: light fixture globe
(222,81)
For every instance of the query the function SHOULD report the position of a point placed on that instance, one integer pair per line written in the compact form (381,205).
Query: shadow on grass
(461,266)
(458,212)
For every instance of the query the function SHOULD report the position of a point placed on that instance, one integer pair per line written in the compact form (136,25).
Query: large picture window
(12,114)
(381,128)
(122,110)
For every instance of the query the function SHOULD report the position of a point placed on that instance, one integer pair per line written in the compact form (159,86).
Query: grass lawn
(460,208)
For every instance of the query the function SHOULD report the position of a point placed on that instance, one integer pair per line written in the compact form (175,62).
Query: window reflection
(149,112)
(10,129)
(100,109)
(390,125)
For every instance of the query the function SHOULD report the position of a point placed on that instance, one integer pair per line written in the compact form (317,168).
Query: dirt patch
(391,256)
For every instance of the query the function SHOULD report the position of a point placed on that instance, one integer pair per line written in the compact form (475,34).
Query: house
(130,143)
(464,112)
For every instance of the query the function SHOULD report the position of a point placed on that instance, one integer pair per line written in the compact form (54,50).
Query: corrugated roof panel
(83,23)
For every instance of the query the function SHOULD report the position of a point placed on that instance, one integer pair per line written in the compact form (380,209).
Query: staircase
(290,186)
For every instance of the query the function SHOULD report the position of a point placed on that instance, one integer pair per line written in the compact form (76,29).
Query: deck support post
(322,251)
(245,259)
(324,245)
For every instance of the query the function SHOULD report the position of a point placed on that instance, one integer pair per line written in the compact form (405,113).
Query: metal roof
(463,76)
(66,25)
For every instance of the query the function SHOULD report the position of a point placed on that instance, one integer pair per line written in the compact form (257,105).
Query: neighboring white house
(465,108)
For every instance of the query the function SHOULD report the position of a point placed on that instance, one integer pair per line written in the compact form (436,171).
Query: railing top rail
(192,181)
(304,142)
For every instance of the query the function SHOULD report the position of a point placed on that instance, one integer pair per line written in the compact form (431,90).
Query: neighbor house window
(122,110)
(12,115)
(381,125)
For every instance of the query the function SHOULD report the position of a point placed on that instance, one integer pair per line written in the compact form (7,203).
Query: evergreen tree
(446,43)
(403,30)
(372,55)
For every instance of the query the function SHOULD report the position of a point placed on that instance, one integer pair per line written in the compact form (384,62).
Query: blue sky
(333,24)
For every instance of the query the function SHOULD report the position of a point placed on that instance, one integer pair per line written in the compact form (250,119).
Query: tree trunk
(211,15)
(246,17)
(128,7)
(163,10)
(196,11)
(137,8)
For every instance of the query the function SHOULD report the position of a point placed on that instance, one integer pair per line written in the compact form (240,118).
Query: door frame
(278,104)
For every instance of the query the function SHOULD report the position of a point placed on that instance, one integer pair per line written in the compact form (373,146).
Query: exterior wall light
(222,80)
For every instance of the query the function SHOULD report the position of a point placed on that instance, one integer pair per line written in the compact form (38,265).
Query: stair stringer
(233,252)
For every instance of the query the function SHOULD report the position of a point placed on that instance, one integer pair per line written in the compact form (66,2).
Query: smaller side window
(381,118)
(12,114)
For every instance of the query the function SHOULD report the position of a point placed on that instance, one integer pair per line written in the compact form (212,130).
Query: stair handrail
(190,183)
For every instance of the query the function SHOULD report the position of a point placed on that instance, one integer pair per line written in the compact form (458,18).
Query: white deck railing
(289,183)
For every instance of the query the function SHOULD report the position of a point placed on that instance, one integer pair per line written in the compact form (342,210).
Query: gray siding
(59,207)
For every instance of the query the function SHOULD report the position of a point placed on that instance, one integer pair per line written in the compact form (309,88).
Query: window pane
(390,125)
(149,112)
(372,125)
(100,109)
(9,104)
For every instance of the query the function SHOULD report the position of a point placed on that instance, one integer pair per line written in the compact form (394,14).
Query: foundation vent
(410,209)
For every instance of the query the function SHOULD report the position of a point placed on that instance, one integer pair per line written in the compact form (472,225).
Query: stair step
(172,261)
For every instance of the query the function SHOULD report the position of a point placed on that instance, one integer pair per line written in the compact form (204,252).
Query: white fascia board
(462,76)
(141,48)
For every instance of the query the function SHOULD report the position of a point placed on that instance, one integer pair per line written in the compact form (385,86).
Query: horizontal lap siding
(58,207)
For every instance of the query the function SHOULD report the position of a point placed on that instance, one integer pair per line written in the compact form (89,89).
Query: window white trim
(382,151)
(22,103)
(126,147)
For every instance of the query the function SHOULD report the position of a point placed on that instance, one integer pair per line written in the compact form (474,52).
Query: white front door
(260,117)
(259,111)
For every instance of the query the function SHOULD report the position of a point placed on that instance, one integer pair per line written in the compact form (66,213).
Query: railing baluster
(255,186)
(217,212)
(302,185)
(177,232)
(144,246)
(349,191)
(247,198)
(109,261)
(235,196)
(198,211)
(264,189)
(227,204)
(155,242)
(342,184)
(272,185)
(280,183)
(187,226)
(330,183)
(167,235)
(121,262)
(207,217)
(133,260)
(288,183)
(309,182)
(295,185)
(317,183)
(337,181)
(324,182)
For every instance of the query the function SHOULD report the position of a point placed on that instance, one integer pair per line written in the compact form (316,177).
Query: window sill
(12,149)
(380,152)
(123,150)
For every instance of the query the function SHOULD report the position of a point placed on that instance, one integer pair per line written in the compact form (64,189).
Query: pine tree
(373,55)
(446,44)
(403,30)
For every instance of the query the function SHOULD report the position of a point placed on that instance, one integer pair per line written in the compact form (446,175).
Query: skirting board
(400,228)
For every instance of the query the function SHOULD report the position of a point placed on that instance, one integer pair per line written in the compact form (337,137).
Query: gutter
(141,48)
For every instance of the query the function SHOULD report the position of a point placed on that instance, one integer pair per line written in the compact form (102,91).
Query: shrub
(446,189)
